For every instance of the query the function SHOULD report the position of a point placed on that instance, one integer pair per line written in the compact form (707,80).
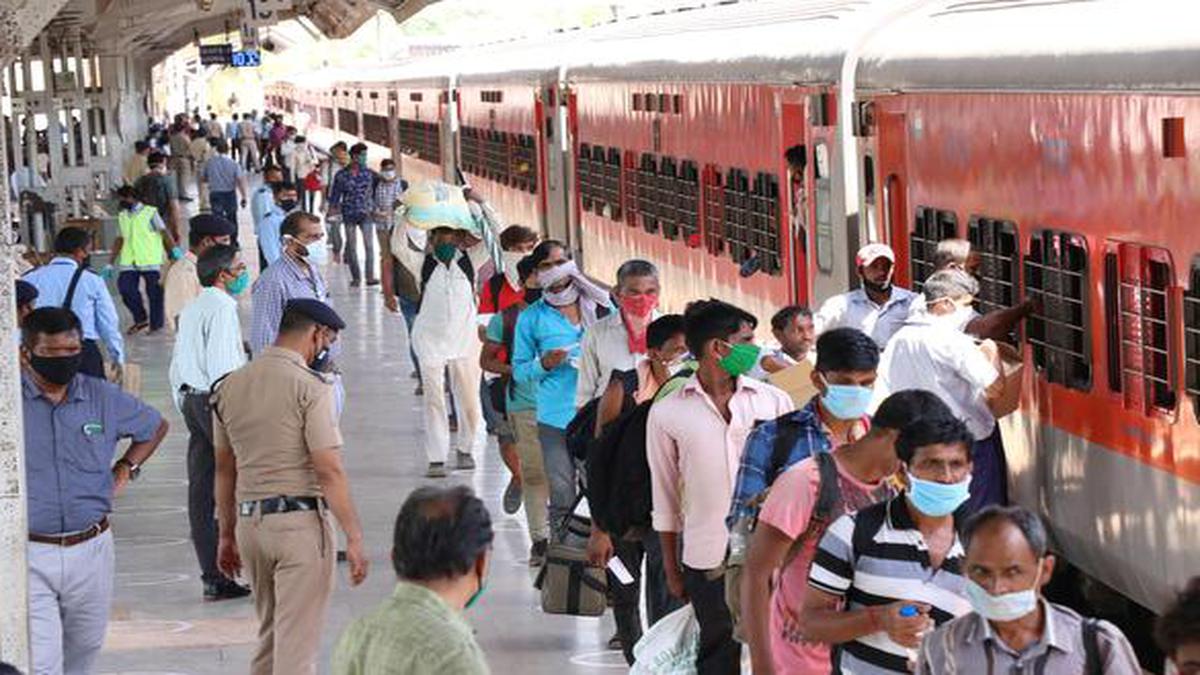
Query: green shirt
(414,632)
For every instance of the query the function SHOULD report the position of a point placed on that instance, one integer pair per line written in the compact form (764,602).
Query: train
(1058,137)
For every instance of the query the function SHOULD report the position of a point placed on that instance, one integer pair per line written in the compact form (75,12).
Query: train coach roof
(1147,45)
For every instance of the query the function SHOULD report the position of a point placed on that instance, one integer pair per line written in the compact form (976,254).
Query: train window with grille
(668,198)
(348,121)
(420,139)
(996,243)
(1056,274)
(524,157)
(588,187)
(1191,337)
(637,102)
(326,118)
(752,217)
(629,187)
(714,210)
(737,214)
(1137,287)
(931,226)
(686,188)
(647,192)
(375,129)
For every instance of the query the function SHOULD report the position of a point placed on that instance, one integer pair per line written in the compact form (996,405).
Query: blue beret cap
(317,311)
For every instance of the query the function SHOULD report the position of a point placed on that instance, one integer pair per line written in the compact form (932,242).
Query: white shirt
(209,343)
(933,355)
(445,327)
(605,348)
(854,309)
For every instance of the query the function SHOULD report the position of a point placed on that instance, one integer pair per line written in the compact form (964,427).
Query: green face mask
(741,359)
(476,595)
(238,285)
(444,252)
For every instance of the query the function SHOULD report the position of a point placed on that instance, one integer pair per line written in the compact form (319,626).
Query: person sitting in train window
(930,353)
(997,324)
(1177,632)
(1014,629)
(793,328)
(797,161)
(618,341)
(879,308)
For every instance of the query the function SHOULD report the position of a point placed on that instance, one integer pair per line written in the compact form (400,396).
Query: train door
(394,131)
(449,113)
(795,144)
(552,134)
(892,163)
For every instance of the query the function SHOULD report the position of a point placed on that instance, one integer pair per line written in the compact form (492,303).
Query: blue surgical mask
(937,499)
(1007,606)
(846,401)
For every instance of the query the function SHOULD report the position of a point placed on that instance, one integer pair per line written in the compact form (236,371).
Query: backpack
(431,263)
(498,388)
(582,428)
(618,473)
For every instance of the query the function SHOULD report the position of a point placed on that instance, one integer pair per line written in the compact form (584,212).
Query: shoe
(512,496)
(137,328)
(537,553)
(341,556)
(614,642)
(436,470)
(372,282)
(415,375)
(453,425)
(355,284)
(419,391)
(465,461)
(225,589)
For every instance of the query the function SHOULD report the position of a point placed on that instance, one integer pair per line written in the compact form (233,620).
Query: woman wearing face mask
(913,583)
(929,352)
(618,342)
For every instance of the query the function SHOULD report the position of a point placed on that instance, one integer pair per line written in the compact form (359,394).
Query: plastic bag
(670,646)
(431,204)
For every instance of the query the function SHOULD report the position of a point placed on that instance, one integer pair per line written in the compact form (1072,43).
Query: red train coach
(1061,139)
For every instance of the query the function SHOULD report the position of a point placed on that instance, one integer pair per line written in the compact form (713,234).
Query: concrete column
(14,609)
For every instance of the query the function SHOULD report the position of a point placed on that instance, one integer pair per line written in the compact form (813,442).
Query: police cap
(26,292)
(211,225)
(316,310)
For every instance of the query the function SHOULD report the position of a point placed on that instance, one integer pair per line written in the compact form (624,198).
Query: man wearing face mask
(694,441)
(1014,629)
(441,550)
(285,199)
(931,353)
(182,284)
(350,197)
(139,253)
(72,425)
(295,275)
(279,475)
(878,308)
(618,341)
(874,603)
(208,347)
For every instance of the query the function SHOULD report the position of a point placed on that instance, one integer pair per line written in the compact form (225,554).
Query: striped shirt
(285,280)
(876,557)
(208,344)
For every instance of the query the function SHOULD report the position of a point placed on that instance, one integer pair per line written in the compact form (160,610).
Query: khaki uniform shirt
(180,286)
(273,413)
(135,167)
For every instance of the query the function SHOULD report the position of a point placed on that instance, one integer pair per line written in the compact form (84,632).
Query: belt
(281,505)
(71,539)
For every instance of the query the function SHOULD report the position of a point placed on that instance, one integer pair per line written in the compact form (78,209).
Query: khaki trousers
(535,487)
(289,559)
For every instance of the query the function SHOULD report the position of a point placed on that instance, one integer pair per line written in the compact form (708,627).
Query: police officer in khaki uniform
(279,475)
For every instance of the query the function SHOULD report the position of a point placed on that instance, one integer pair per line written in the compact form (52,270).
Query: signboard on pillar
(264,12)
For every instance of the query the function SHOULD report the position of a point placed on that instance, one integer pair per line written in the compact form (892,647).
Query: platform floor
(160,624)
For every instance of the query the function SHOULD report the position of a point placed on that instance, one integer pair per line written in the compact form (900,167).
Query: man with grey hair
(996,324)
(1013,628)
(930,352)
(618,341)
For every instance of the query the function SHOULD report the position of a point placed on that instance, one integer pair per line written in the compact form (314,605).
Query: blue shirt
(351,192)
(70,447)
(221,173)
(541,328)
(283,281)
(269,242)
(93,304)
(261,202)
(755,472)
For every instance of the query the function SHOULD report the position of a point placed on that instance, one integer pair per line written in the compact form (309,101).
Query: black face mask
(532,295)
(288,204)
(877,288)
(56,369)
(127,205)
(320,362)
(87,262)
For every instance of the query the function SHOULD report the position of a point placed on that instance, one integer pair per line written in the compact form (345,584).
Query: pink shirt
(694,456)
(788,509)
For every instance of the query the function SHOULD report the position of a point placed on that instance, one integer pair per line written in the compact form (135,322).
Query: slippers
(137,328)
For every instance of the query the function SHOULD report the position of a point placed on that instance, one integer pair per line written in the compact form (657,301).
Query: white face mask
(389,174)
(1005,607)
(510,260)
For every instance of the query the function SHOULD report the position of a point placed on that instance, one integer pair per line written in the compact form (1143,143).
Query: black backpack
(498,388)
(581,430)
(618,472)
(431,263)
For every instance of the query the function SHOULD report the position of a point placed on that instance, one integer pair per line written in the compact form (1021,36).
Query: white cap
(872,252)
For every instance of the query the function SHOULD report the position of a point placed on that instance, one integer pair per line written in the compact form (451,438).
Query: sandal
(137,328)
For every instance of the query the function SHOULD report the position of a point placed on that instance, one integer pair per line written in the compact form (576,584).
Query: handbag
(569,584)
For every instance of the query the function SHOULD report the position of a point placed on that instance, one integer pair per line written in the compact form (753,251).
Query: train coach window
(348,121)
(647,192)
(588,187)
(737,216)
(375,129)
(524,158)
(420,139)
(1056,273)
(823,203)
(611,184)
(714,210)
(637,103)
(667,200)
(471,152)
(999,264)
(629,187)
(1191,337)
(327,118)
(1137,282)
(765,222)
(687,204)
(930,227)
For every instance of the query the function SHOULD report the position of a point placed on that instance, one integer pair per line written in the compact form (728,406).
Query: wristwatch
(134,469)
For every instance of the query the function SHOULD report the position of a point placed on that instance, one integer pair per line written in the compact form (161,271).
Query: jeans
(719,653)
(560,471)
(367,228)
(333,231)
(225,204)
(129,283)
(659,601)
(201,472)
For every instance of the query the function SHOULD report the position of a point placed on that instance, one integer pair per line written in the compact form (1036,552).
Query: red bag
(312,182)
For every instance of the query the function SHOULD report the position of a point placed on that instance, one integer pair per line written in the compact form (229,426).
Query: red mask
(639,306)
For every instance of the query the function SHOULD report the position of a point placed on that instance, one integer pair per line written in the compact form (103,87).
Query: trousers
(535,491)
(290,560)
(250,154)
(129,283)
(201,473)
(464,382)
(70,595)
(367,229)
(719,653)
(659,601)
(561,471)
(989,474)
(182,168)
(225,204)
(333,230)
